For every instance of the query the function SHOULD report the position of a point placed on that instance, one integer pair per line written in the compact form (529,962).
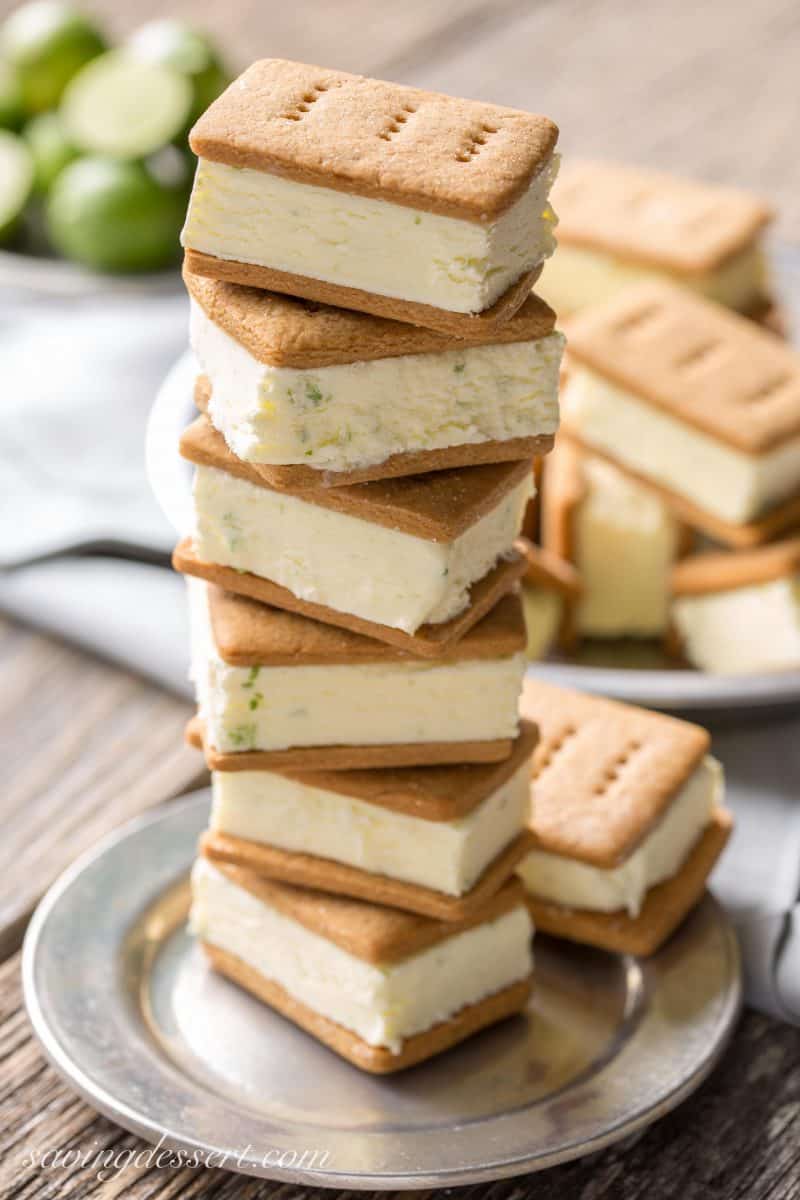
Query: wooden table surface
(710,89)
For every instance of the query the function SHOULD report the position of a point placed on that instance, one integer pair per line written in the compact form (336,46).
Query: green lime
(50,148)
(16,181)
(114,216)
(46,43)
(172,43)
(119,106)
(12,113)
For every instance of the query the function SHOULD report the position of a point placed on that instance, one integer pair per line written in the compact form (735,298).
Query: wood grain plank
(85,747)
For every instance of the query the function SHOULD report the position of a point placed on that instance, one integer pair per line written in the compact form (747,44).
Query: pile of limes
(94,162)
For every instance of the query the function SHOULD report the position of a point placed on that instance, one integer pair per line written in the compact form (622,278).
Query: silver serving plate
(635,672)
(129,1013)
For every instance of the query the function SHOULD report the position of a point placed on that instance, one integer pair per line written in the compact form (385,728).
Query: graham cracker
(696,361)
(296,477)
(546,570)
(370,931)
(424,150)
(429,641)
(704,573)
(282,331)
(250,634)
(778,520)
(653,218)
(665,907)
(349,758)
(603,772)
(428,793)
(563,491)
(438,507)
(327,875)
(377,1060)
(486,323)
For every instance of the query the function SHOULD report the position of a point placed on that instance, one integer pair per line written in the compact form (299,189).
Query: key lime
(172,43)
(16,181)
(46,43)
(125,108)
(12,112)
(50,148)
(114,216)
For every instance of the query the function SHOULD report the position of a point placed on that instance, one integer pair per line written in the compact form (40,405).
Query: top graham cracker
(250,634)
(698,362)
(368,931)
(654,219)
(603,772)
(282,331)
(422,150)
(701,574)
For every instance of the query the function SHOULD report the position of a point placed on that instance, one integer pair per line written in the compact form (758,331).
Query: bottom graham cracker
(411,311)
(378,1060)
(429,641)
(349,758)
(325,875)
(664,908)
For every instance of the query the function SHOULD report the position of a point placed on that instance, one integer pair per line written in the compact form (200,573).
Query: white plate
(128,1011)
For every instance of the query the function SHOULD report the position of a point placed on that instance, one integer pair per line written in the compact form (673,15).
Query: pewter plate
(128,1011)
(637,672)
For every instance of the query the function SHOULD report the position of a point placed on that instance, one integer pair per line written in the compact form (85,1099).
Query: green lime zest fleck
(313,393)
(459,368)
(255,701)
(233,530)
(252,676)
(243,737)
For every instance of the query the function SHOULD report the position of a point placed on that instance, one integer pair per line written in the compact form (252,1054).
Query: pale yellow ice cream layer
(743,631)
(578,277)
(463,266)
(353,415)
(625,544)
(447,856)
(344,562)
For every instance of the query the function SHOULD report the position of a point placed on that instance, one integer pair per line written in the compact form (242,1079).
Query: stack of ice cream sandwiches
(674,494)
(375,378)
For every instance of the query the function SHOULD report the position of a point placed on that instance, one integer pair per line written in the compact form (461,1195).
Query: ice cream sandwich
(621,538)
(384,989)
(740,613)
(434,840)
(414,561)
(278,690)
(371,196)
(694,400)
(319,396)
(627,817)
(621,225)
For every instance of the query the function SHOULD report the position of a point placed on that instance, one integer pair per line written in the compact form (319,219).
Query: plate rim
(121,1111)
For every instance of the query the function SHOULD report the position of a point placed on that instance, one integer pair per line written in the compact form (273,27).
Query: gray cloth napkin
(79,385)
